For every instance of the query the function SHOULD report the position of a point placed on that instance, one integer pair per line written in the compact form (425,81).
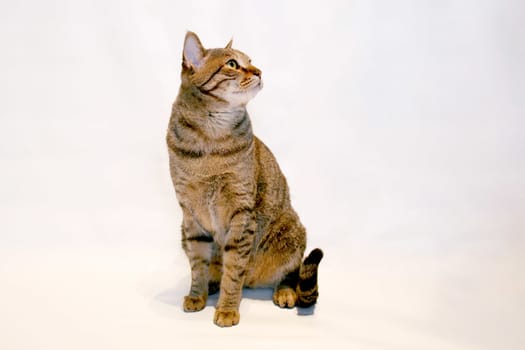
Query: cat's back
(272,189)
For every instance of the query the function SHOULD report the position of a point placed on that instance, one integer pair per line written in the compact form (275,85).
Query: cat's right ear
(193,53)
(229,45)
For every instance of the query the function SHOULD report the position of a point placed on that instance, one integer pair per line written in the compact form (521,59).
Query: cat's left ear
(193,53)
(229,45)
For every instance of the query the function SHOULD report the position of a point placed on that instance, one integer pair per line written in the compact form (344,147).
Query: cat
(239,228)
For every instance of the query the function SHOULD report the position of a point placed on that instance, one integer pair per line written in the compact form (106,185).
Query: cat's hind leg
(278,258)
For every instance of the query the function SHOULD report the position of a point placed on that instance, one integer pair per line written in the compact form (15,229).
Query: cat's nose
(255,71)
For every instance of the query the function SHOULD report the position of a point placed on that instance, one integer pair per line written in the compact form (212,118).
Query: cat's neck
(230,114)
(221,123)
(216,118)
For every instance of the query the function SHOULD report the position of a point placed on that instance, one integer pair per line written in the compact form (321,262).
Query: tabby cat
(239,228)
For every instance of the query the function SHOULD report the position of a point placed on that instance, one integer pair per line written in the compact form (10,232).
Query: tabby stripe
(203,238)
(182,151)
(197,153)
(240,240)
(309,293)
(240,211)
(309,283)
(241,194)
(186,152)
(307,301)
(240,269)
(198,261)
(237,247)
(215,97)
(229,292)
(246,236)
(237,277)
(230,151)
(175,131)
(246,253)
(185,123)
(219,83)
(210,78)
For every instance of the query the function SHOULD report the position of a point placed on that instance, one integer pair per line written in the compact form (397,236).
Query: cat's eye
(232,64)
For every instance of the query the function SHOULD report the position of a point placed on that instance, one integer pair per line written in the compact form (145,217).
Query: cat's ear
(229,45)
(193,53)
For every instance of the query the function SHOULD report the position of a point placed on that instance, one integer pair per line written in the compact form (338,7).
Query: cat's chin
(241,98)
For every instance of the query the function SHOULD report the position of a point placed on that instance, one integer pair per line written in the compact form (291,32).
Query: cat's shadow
(247,293)
(174,297)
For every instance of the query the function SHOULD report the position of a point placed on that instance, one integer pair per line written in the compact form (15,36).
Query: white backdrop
(399,125)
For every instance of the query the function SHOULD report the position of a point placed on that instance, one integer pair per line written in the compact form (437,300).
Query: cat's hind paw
(285,297)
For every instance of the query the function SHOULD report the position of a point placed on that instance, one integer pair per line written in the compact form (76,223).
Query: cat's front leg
(236,255)
(198,246)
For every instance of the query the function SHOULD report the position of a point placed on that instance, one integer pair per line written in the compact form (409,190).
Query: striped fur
(238,228)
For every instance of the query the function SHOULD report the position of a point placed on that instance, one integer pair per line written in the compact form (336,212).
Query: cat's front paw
(194,303)
(285,297)
(226,318)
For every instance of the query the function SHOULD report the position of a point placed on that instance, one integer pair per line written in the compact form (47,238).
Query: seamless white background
(399,125)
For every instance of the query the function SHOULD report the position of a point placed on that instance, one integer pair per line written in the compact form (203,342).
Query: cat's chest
(212,208)
(213,201)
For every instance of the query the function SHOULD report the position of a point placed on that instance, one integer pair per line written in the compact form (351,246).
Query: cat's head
(226,75)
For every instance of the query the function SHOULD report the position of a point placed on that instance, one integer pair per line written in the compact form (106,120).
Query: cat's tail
(307,289)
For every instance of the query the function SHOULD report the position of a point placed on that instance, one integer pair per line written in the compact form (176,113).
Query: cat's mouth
(251,83)
(257,86)
(249,86)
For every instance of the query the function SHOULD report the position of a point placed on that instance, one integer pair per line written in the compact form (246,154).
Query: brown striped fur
(239,228)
